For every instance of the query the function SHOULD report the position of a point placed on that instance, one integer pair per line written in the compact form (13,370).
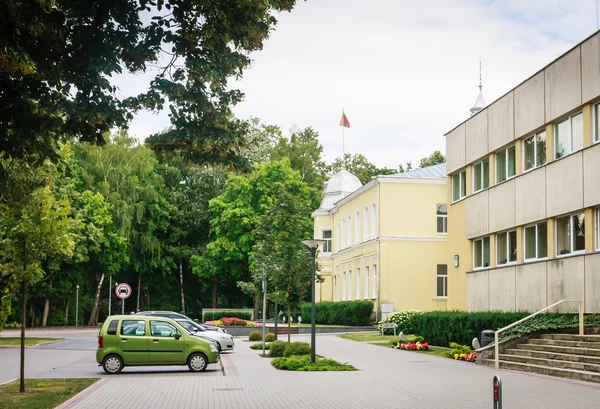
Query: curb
(7,382)
(81,395)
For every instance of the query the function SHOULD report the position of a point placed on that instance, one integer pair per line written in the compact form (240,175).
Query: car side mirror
(177,335)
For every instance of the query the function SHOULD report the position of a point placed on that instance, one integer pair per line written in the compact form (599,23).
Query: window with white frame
(534,151)
(358,283)
(568,135)
(597,227)
(338,238)
(335,286)
(357,227)
(349,232)
(442,218)
(505,164)
(367,283)
(343,233)
(459,185)
(374,286)
(343,289)
(481,252)
(596,122)
(373,220)
(481,175)
(570,234)
(506,247)
(442,280)
(536,241)
(366,223)
(326,235)
(349,285)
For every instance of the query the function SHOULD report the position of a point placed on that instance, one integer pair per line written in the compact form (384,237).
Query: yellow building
(524,178)
(386,240)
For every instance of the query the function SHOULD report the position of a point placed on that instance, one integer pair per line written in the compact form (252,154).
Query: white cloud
(406,72)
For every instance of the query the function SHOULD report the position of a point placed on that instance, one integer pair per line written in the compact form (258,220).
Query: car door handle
(124,339)
(155,341)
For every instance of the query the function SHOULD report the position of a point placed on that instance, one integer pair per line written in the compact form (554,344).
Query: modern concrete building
(524,172)
(386,239)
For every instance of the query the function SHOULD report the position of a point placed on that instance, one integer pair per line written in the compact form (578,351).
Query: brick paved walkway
(387,379)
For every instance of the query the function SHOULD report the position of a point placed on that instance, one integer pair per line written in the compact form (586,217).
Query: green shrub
(443,327)
(212,316)
(457,349)
(297,348)
(259,346)
(403,321)
(419,339)
(269,337)
(255,336)
(277,348)
(302,363)
(545,322)
(352,313)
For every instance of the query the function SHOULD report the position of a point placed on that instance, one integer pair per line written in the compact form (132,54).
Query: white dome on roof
(337,187)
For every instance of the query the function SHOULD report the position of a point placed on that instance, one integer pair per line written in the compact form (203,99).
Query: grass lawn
(14,341)
(375,336)
(41,393)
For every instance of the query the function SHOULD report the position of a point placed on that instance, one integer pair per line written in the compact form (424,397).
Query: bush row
(257,336)
(279,348)
(352,313)
(212,316)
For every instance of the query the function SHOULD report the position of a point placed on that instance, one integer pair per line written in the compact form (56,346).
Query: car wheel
(197,362)
(112,364)
(219,347)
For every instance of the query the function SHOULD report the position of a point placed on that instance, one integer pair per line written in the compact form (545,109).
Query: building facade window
(349,232)
(357,227)
(570,234)
(366,223)
(505,164)
(596,122)
(349,285)
(568,135)
(373,220)
(481,252)
(367,283)
(343,289)
(481,175)
(326,235)
(597,227)
(534,151)
(442,218)
(344,233)
(338,237)
(506,247)
(442,280)
(358,283)
(536,241)
(459,185)
(374,286)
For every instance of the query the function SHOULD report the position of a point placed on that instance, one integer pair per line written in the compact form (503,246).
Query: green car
(127,340)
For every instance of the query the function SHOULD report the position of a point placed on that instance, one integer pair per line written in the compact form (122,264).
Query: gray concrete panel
(529,105)
(592,283)
(502,206)
(478,291)
(590,68)
(477,136)
(530,197)
(501,122)
(563,85)
(565,282)
(455,149)
(477,214)
(564,185)
(502,289)
(591,176)
(531,287)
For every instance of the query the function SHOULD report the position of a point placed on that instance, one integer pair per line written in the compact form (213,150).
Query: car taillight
(100,342)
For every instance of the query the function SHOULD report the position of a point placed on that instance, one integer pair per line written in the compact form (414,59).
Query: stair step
(571,337)
(554,363)
(561,349)
(564,343)
(554,355)
(544,370)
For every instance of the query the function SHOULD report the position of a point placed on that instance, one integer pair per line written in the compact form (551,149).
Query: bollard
(497,384)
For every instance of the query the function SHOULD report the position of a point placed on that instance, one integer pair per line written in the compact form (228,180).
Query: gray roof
(435,171)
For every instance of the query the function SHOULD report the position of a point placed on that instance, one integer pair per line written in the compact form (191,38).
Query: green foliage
(359,166)
(297,348)
(255,336)
(269,337)
(213,316)
(549,322)
(457,349)
(403,321)
(277,349)
(418,339)
(259,346)
(434,159)
(352,313)
(302,363)
(443,327)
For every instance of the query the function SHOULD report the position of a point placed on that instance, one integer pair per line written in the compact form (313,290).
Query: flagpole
(343,138)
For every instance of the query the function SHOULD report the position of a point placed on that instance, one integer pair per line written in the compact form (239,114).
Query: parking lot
(386,378)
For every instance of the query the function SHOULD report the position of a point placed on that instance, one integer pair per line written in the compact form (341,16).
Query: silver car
(224,340)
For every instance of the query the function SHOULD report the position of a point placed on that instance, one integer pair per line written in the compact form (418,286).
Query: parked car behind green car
(127,340)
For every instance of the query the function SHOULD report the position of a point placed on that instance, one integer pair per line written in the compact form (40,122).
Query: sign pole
(123,291)
(109,293)
(497,395)
(123,306)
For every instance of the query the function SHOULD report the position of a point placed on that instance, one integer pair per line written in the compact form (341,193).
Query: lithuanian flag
(344,121)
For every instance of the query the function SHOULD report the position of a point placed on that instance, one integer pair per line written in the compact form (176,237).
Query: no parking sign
(123,291)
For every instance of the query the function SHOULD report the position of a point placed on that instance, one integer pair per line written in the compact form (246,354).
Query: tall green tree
(434,159)
(358,165)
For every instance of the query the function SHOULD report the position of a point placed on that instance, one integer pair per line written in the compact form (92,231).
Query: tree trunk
(23,323)
(256,307)
(137,305)
(214,291)
(289,324)
(46,308)
(32,316)
(67,312)
(148,299)
(181,283)
(94,314)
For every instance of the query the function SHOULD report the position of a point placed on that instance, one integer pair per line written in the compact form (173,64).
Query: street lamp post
(76,304)
(313,245)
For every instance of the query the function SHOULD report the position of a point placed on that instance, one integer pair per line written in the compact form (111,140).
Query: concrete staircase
(563,355)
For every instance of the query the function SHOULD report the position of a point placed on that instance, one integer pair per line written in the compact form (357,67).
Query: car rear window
(112,327)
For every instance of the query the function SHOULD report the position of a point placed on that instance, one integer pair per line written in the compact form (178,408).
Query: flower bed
(413,346)
(470,357)
(233,322)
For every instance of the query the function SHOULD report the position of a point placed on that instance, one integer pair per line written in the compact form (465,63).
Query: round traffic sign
(123,291)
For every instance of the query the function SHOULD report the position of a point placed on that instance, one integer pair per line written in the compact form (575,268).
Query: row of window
(568,138)
(344,236)
(570,239)
(343,285)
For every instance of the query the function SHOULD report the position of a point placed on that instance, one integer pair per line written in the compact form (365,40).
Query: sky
(405,72)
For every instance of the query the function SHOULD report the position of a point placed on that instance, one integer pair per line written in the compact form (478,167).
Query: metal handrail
(496,344)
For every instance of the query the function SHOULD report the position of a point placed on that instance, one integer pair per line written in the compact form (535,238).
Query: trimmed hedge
(297,348)
(269,337)
(351,313)
(213,316)
(277,348)
(255,336)
(443,327)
